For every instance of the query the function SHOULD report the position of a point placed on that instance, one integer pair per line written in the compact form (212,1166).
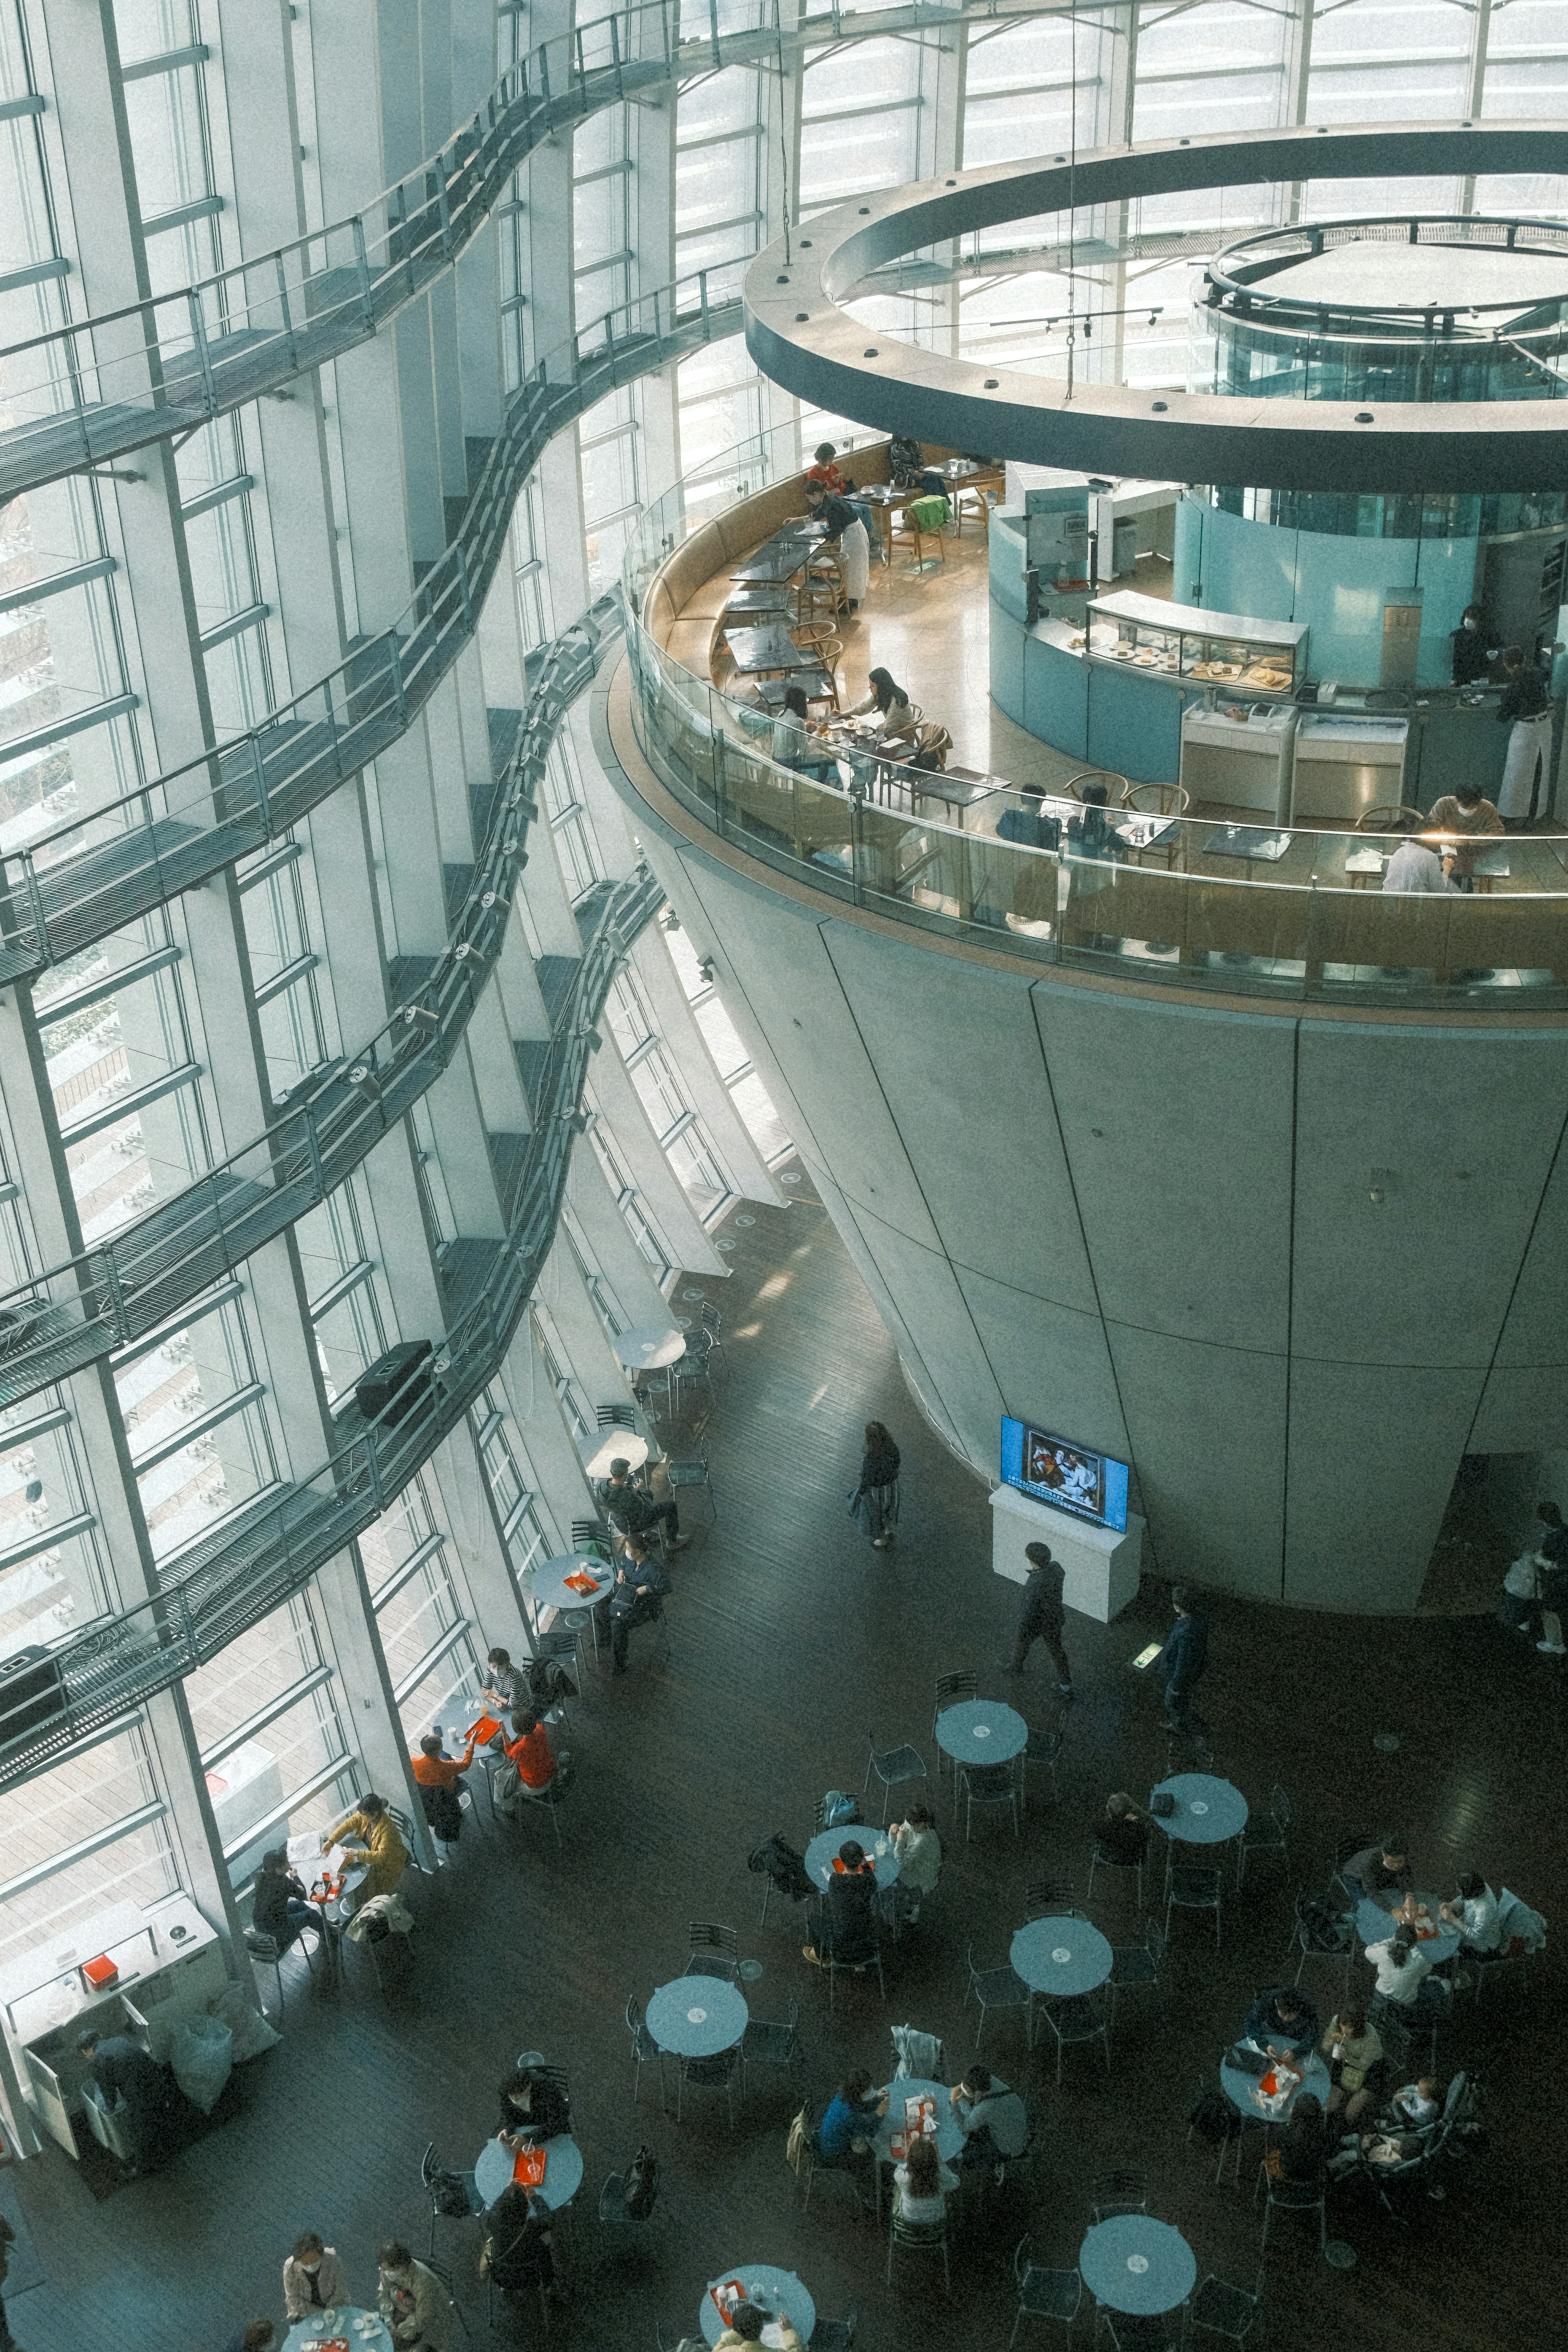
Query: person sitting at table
(1382,1871)
(849,2122)
(438,1775)
(1092,849)
(314,2278)
(533,2107)
(635,1598)
(1464,810)
(1474,1911)
(416,2306)
(822,473)
(530,1754)
(1353,2050)
(1402,1970)
(1415,868)
(280,1905)
(371,1836)
(1282,2020)
(992,2118)
(502,1684)
(517,2254)
(922,2182)
(746,2322)
(843,1923)
(793,731)
(886,697)
(919,1850)
(908,469)
(631,1510)
(1123,1830)
(1303,2144)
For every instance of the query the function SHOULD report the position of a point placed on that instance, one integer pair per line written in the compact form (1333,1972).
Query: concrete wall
(1150,1225)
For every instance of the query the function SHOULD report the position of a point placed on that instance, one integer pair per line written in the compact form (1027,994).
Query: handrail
(95,873)
(1190,928)
(110,383)
(251,1566)
(118,1290)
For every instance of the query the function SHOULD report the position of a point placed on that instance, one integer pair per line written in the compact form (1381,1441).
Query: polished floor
(790,1638)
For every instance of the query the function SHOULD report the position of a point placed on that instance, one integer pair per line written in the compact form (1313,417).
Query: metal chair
(1121,2192)
(712,1951)
(1265,1833)
(766,2044)
(1135,1968)
(893,1767)
(1042,1748)
(1314,1943)
(1193,1887)
(853,1964)
(439,2271)
(1135,2332)
(814,2162)
(1225,2310)
(696,1365)
(1046,1898)
(1084,2016)
(590,1535)
(717,2073)
(693,1472)
(1291,2196)
(269,1952)
(929,2237)
(1044,2292)
(999,1989)
(430,2166)
(613,2206)
(643,2050)
(951,1691)
(836,2335)
(1100,1857)
(987,1784)
(710,1320)
(617,1416)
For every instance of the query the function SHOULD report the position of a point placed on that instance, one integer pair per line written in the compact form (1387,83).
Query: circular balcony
(1167,901)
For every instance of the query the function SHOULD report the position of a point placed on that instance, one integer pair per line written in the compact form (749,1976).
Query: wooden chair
(822,588)
(905,526)
(1391,817)
(822,685)
(1156,800)
(1115,785)
(974,501)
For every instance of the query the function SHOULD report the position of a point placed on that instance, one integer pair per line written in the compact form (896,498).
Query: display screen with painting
(1054,1470)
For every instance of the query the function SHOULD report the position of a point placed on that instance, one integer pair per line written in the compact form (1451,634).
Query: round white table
(775,2290)
(349,2321)
(650,1348)
(981,1731)
(697,2017)
(546,1587)
(563,2171)
(1374,1923)
(1061,1956)
(1208,1811)
(607,1445)
(1137,2265)
(879,1851)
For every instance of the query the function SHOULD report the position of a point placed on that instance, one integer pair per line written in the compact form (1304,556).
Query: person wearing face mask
(412,2300)
(314,2278)
(1472,656)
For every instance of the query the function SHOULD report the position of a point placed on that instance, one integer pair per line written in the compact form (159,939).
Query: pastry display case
(1226,651)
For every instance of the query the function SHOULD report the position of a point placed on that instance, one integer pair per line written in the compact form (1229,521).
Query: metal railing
(251,1565)
(1206,918)
(88,878)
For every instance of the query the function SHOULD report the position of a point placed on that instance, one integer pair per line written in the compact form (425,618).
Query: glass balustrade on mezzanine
(1184,902)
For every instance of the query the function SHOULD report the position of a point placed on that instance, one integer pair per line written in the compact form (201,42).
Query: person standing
(438,1775)
(1473,656)
(1526,709)
(1551,1563)
(635,1599)
(1042,1615)
(314,2278)
(874,1502)
(1184,1661)
(123,2069)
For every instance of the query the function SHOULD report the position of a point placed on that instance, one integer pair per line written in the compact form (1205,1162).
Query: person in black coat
(874,1502)
(1183,1661)
(843,1924)
(517,2249)
(533,2107)
(635,1598)
(1041,1615)
(279,1906)
(123,2069)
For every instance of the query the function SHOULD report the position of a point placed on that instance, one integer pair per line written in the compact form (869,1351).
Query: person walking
(1041,1615)
(635,1599)
(1525,708)
(874,1502)
(1183,1662)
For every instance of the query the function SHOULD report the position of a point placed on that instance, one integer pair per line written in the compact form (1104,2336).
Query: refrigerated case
(1239,757)
(1346,765)
(1223,650)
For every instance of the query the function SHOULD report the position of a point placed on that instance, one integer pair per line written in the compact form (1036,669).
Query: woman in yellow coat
(370,1834)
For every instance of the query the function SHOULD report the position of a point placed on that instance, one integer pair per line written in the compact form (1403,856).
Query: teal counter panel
(1007,663)
(1056,696)
(1134,726)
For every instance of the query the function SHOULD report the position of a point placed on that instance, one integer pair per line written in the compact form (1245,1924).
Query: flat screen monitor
(1069,1476)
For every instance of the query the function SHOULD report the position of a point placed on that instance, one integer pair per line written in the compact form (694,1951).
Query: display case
(1183,642)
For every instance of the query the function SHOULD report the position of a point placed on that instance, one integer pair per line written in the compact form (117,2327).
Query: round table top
(314,2331)
(563,2171)
(1209,1811)
(1138,2265)
(981,1731)
(886,1864)
(1058,1957)
(775,2290)
(650,1348)
(696,2017)
(949,2130)
(1374,1925)
(305,1859)
(607,1445)
(1243,2094)
(545,1583)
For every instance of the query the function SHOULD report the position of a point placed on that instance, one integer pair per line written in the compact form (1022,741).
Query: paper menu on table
(726,2295)
(920,2117)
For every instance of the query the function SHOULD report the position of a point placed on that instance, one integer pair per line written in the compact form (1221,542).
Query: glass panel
(293,1747)
(59,1810)
(57,1585)
(184,1378)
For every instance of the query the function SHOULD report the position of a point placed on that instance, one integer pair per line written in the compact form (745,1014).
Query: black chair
(1050,1898)
(929,2237)
(710,1320)
(717,2073)
(438,2180)
(768,2043)
(1315,1939)
(1100,1857)
(1042,1748)
(613,2206)
(951,1690)
(813,2160)
(1291,2196)
(1225,2310)
(997,1989)
(836,2335)
(643,2049)
(1044,2292)
(693,1472)
(1193,1887)
(590,1535)
(712,1951)
(617,1416)
(440,2272)
(987,1784)
(1265,1833)
(1135,1968)
(1082,2016)
(856,1962)
(1133,2332)
(1123,2191)
(893,1767)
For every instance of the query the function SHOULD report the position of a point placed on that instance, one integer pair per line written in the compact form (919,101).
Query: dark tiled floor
(790,1636)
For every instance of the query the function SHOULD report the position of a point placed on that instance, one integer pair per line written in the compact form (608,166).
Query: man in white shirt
(1416,867)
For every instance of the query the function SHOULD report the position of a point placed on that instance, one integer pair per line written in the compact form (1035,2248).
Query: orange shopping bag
(529,2168)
